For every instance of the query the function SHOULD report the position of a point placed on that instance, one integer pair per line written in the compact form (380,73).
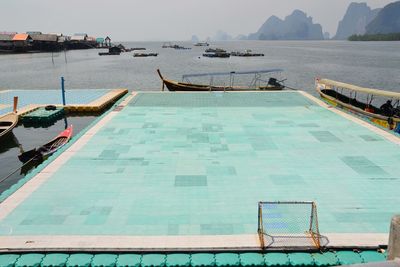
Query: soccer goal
(288,224)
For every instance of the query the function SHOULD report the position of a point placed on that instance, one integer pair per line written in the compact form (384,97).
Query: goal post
(288,224)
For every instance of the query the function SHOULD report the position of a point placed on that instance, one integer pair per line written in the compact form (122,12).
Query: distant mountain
(241,37)
(194,39)
(355,21)
(221,36)
(296,26)
(387,20)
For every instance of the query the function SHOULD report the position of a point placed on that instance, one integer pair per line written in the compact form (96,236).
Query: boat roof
(350,87)
(232,72)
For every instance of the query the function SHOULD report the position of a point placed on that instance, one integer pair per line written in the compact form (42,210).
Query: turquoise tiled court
(198,163)
(46,97)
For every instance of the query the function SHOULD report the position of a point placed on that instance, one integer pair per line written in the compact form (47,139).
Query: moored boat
(246,53)
(359,100)
(179,47)
(257,82)
(216,52)
(201,44)
(7,123)
(145,54)
(43,152)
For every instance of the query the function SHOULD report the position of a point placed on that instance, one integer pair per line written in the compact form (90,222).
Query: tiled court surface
(187,170)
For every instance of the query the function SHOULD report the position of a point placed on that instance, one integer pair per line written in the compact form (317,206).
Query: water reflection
(8,142)
(25,138)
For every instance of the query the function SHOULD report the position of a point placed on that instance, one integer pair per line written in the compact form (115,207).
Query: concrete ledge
(175,243)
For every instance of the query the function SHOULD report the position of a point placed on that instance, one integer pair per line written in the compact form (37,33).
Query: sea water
(369,64)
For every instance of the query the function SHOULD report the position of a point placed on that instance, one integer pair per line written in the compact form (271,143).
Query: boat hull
(188,87)
(42,153)
(7,123)
(377,119)
(109,53)
(175,86)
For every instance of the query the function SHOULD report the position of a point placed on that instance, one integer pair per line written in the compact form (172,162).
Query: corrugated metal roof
(44,37)
(5,32)
(81,34)
(6,37)
(32,33)
(59,34)
(21,37)
(78,38)
(100,40)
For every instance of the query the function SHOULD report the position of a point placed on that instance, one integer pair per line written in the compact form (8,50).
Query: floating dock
(192,259)
(185,172)
(77,100)
(42,116)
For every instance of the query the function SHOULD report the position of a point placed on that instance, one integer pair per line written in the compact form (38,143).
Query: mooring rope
(23,165)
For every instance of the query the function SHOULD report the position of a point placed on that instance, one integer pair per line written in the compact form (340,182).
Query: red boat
(43,152)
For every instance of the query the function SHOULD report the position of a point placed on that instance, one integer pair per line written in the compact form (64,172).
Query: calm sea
(372,64)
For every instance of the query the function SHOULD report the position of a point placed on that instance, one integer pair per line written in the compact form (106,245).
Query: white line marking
(174,242)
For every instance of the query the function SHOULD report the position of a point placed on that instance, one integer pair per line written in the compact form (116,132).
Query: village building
(6,42)
(22,42)
(45,42)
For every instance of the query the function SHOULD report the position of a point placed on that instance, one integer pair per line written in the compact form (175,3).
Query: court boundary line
(126,242)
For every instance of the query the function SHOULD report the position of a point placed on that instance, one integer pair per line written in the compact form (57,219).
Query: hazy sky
(136,20)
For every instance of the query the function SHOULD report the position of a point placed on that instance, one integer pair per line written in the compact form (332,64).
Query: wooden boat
(246,53)
(344,96)
(215,50)
(201,44)
(216,53)
(145,54)
(178,47)
(272,85)
(43,152)
(7,123)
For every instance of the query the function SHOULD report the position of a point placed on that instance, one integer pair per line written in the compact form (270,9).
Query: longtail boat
(257,82)
(145,54)
(43,152)
(359,100)
(7,123)
(202,44)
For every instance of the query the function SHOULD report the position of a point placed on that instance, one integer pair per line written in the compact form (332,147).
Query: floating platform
(78,100)
(185,172)
(42,116)
(193,259)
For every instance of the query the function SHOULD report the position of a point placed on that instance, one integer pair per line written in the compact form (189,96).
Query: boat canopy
(350,87)
(231,73)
